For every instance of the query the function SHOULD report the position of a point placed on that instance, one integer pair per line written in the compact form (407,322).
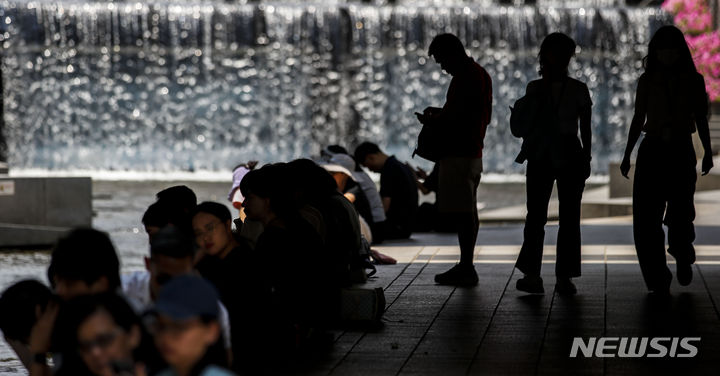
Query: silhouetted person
(21,305)
(339,155)
(186,328)
(106,336)
(670,104)
(428,217)
(554,153)
(231,266)
(397,190)
(463,120)
(296,263)
(180,195)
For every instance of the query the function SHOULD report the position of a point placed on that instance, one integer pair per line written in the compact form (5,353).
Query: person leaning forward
(463,120)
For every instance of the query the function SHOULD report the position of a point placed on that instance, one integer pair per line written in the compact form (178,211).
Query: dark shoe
(564,286)
(458,275)
(684,273)
(530,284)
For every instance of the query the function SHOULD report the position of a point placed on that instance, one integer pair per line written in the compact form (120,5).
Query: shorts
(459,178)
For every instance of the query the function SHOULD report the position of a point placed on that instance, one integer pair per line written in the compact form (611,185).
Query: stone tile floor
(493,329)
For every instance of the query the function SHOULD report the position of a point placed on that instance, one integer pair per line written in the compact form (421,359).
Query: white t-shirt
(371,193)
(136,287)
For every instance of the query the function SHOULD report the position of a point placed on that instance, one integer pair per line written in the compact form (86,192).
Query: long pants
(570,183)
(663,191)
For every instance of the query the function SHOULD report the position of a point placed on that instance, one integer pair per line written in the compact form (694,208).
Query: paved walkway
(492,329)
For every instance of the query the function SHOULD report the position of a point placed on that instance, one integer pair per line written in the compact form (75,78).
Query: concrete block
(35,211)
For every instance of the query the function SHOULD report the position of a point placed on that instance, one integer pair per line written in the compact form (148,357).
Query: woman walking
(670,104)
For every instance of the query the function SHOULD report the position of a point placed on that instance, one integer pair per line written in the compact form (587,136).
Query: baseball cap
(185,297)
(337,168)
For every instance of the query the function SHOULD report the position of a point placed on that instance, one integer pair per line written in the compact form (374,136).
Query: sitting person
(397,189)
(180,196)
(247,229)
(305,296)
(83,262)
(186,328)
(336,154)
(162,213)
(342,238)
(106,336)
(352,192)
(171,255)
(21,305)
(231,266)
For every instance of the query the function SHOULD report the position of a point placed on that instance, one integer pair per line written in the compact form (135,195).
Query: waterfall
(178,86)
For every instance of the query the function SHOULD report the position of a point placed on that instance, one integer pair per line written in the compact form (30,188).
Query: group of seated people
(213,300)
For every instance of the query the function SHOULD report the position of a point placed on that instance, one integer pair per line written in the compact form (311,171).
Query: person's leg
(459,180)
(570,190)
(468,222)
(680,216)
(539,185)
(648,211)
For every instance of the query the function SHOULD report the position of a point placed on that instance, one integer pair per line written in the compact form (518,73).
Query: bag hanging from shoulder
(430,144)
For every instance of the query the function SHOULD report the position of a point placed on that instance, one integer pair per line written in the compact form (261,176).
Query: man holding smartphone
(462,121)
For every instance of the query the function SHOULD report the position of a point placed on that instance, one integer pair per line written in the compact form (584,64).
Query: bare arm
(586,131)
(703,129)
(635,127)
(386,203)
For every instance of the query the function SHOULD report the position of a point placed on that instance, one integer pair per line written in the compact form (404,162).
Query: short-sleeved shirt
(556,138)
(671,104)
(573,98)
(136,287)
(398,183)
(467,111)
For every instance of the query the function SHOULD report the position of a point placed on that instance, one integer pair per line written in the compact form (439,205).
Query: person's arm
(586,132)
(635,126)
(386,203)
(586,138)
(40,339)
(703,129)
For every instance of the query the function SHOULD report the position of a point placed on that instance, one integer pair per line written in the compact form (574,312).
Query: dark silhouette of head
(20,306)
(669,50)
(449,52)
(84,262)
(369,155)
(163,213)
(179,195)
(556,51)
(312,182)
(267,192)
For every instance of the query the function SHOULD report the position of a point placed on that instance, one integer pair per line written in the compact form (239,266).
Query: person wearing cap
(171,255)
(336,154)
(247,229)
(186,328)
(347,185)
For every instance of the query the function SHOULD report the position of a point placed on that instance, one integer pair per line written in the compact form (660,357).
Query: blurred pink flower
(694,19)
